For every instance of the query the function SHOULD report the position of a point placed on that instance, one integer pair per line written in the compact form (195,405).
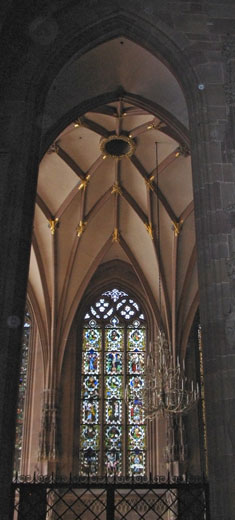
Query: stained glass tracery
(113,433)
(22,390)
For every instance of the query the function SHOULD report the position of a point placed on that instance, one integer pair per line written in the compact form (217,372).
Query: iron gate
(100,498)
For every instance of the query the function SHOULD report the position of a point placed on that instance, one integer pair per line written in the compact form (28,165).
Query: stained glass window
(112,422)
(22,391)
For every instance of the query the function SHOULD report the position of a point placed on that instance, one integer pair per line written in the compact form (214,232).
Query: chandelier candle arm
(166,389)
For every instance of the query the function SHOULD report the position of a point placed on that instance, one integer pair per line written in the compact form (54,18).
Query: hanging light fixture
(166,389)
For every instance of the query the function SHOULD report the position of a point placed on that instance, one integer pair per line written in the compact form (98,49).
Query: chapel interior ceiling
(117,63)
(93,208)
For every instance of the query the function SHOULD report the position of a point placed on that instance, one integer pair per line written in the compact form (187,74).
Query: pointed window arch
(112,423)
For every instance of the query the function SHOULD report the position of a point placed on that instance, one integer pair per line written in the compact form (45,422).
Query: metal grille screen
(109,500)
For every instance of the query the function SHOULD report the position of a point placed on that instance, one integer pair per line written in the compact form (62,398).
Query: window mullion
(125,408)
(102,406)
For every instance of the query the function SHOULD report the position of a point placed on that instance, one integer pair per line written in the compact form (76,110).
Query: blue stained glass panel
(113,362)
(90,411)
(136,385)
(91,362)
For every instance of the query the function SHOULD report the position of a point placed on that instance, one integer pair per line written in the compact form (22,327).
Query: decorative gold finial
(149,182)
(149,228)
(115,235)
(53,224)
(84,183)
(176,227)
(81,228)
(116,189)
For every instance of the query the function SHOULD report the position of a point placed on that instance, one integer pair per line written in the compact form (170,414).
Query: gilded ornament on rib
(156,126)
(176,227)
(115,235)
(149,228)
(149,182)
(116,189)
(53,224)
(81,228)
(84,183)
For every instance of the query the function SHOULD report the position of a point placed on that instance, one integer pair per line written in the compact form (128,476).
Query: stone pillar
(176,447)
(214,192)
(48,440)
(17,195)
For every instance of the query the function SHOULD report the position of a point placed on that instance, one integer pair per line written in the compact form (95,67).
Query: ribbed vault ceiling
(92,208)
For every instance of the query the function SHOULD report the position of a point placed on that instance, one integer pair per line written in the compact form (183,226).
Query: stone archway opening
(115,184)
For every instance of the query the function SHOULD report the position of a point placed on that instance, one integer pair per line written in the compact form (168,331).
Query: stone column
(17,195)
(48,440)
(176,447)
(214,192)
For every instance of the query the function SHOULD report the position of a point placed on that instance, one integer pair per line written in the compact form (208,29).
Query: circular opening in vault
(117,147)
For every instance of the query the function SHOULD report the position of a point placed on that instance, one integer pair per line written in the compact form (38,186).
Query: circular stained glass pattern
(90,386)
(93,337)
(114,336)
(113,386)
(113,437)
(137,436)
(136,336)
(136,384)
